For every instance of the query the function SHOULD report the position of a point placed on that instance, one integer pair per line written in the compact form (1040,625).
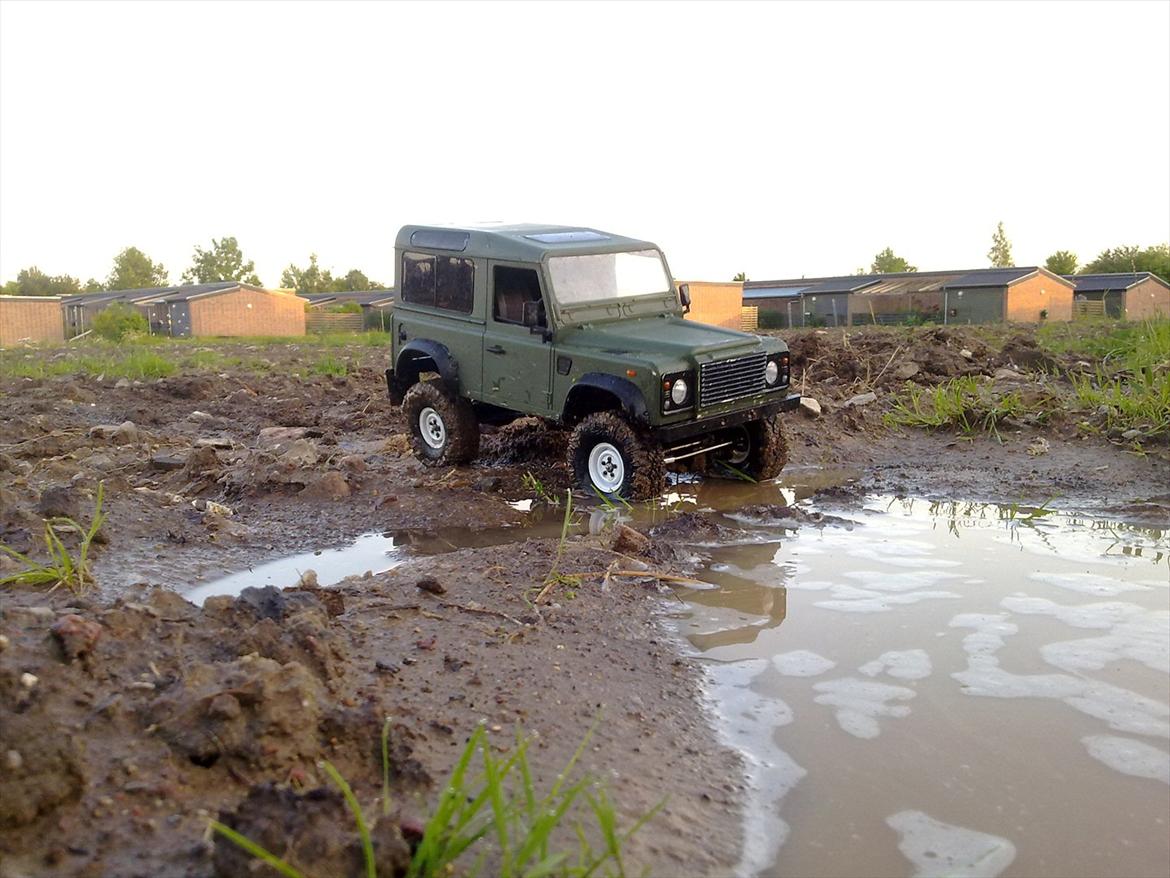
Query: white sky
(777,139)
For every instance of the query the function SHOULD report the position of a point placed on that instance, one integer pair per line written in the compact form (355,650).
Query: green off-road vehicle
(585,329)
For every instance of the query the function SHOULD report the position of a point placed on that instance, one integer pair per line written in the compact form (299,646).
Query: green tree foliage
(223,261)
(33,282)
(1000,253)
(312,279)
(1155,259)
(119,320)
(887,263)
(134,270)
(1061,262)
(740,278)
(355,281)
(93,285)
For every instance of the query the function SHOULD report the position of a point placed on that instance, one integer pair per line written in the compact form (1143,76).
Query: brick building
(30,319)
(1135,296)
(717,303)
(226,308)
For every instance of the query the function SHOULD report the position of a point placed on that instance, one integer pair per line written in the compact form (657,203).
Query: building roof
(30,298)
(362,297)
(182,293)
(527,242)
(895,283)
(1099,283)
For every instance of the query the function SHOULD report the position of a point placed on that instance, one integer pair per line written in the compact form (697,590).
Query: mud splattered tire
(609,456)
(759,450)
(443,428)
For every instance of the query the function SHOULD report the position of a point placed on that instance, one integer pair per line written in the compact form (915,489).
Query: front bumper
(676,432)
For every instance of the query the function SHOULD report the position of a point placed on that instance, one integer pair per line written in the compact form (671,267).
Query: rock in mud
(860,400)
(60,501)
(907,370)
(271,602)
(278,437)
(299,453)
(330,486)
(313,833)
(810,407)
(201,461)
(630,542)
(1023,353)
(431,585)
(1005,374)
(274,728)
(76,635)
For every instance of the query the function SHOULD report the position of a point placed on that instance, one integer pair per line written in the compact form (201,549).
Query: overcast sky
(778,139)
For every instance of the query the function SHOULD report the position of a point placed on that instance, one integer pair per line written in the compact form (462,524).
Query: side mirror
(684,296)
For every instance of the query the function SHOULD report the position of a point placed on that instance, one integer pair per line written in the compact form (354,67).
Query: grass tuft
(961,404)
(62,568)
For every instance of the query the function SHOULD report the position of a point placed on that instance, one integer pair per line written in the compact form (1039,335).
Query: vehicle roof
(522,242)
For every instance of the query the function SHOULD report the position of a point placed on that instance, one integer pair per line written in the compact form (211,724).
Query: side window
(455,284)
(418,279)
(512,290)
(446,282)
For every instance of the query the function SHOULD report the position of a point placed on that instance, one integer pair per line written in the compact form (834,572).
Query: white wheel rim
(607,470)
(432,428)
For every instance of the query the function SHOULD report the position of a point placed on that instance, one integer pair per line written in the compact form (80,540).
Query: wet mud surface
(123,752)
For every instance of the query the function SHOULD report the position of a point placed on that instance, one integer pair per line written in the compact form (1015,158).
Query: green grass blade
(255,850)
(358,816)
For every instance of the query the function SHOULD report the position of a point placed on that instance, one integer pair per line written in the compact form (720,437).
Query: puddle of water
(944,689)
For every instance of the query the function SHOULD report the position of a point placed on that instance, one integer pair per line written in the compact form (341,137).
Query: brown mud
(130,716)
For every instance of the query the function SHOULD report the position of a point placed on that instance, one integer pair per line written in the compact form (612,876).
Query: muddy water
(942,689)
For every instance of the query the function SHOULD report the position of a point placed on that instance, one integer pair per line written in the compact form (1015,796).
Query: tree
(1061,262)
(887,263)
(223,261)
(1155,259)
(93,285)
(740,278)
(354,281)
(33,282)
(312,279)
(1000,253)
(134,270)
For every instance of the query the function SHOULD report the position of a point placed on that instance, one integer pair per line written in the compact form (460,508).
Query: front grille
(726,380)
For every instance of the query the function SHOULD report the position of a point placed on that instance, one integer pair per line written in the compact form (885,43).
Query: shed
(224,308)
(1134,296)
(375,310)
(715,302)
(30,319)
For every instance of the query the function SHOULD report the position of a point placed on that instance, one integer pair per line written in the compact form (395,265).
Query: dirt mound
(523,441)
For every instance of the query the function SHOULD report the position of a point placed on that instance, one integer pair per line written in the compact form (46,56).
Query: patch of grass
(532,483)
(330,365)
(501,805)
(62,568)
(1140,403)
(961,404)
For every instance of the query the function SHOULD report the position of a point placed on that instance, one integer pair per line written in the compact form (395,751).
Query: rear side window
(446,282)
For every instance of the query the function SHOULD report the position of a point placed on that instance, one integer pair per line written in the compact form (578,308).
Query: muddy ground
(130,716)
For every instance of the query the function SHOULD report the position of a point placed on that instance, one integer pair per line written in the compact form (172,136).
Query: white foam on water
(802,663)
(1105,614)
(1135,758)
(886,581)
(1121,709)
(859,703)
(1088,583)
(905,664)
(940,849)
(904,553)
(858,602)
(746,721)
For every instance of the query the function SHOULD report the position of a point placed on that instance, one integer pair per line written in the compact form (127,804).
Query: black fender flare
(417,348)
(627,393)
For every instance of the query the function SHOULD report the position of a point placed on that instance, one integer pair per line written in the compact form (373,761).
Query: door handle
(495,349)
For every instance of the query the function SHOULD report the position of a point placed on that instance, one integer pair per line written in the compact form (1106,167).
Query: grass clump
(330,365)
(496,813)
(961,404)
(63,567)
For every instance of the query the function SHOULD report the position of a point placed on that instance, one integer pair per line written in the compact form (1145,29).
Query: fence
(749,318)
(329,321)
(1084,308)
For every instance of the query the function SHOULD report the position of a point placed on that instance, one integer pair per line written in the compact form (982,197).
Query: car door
(517,362)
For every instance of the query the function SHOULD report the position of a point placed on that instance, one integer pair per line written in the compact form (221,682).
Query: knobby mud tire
(769,449)
(462,444)
(645,475)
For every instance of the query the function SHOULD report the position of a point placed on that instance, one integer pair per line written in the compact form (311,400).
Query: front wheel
(757,450)
(443,427)
(609,457)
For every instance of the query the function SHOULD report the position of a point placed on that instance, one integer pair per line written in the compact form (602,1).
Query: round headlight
(679,391)
(771,372)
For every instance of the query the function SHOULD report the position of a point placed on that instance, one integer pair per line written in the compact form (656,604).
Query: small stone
(77,636)
(860,400)
(59,501)
(1132,434)
(629,541)
(200,416)
(223,706)
(1005,374)
(300,453)
(13,761)
(214,442)
(122,382)
(331,486)
(488,484)
(354,463)
(201,461)
(906,370)
(276,437)
(1038,446)
(165,462)
(308,580)
(966,354)
(4,642)
(430,584)
(126,434)
(810,407)
(28,681)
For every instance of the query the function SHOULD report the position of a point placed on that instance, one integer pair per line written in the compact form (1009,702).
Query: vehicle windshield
(603,276)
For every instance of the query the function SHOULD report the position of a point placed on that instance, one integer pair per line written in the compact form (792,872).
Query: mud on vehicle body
(585,329)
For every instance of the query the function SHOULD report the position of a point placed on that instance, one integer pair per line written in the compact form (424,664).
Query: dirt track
(123,751)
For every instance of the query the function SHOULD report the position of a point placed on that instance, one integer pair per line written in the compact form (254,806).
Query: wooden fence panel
(329,321)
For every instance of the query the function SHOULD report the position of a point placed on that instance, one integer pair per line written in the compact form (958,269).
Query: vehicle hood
(665,336)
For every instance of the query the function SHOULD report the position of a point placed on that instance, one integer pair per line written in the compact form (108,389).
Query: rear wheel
(443,427)
(609,457)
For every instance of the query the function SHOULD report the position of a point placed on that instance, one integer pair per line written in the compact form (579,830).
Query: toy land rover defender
(583,328)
